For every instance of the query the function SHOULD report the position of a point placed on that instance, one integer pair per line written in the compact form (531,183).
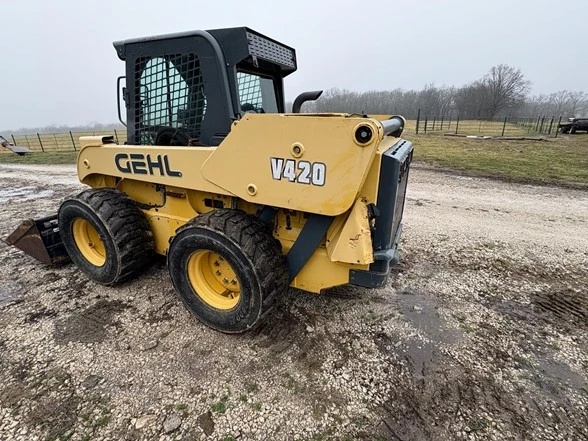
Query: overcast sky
(59,66)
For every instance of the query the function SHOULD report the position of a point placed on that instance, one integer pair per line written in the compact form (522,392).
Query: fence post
(13,140)
(72,140)
(56,143)
(426,120)
(537,124)
(40,142)
(27,140)
(557,128)
(550,125)
(480,126)
(542,123)
(434,120)
(116,135)
(504,126)
(457,125)
(417,123)
(449,126)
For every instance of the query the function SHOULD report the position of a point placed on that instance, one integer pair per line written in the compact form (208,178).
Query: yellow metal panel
(99,181)
(95,141)
(144,193)
(176,166)
(320,273)
(353,242)
(242,164)
(164,228)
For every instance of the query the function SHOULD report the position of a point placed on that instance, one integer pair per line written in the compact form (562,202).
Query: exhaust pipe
(40,239)
(304,97)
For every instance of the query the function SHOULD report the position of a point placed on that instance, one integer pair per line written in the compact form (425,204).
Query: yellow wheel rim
(213,279)
(88,242)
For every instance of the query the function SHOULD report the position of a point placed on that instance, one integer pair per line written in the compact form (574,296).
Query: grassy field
(561,161)
(39,158)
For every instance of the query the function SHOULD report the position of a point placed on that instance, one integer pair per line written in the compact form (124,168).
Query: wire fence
(60,142)
(425,124)
(508,126)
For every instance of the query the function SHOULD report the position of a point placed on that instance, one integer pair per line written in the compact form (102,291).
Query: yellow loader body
(303,164)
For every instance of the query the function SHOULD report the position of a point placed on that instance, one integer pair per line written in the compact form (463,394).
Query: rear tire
(228,269)
(106,235)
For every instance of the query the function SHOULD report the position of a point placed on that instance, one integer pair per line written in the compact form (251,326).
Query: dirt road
(481,334)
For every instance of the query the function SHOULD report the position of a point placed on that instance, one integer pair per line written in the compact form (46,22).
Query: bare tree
(558,102)
(578,102)
(470,101)
(506,87)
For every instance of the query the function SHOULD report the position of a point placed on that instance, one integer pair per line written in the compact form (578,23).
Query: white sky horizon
(59,65)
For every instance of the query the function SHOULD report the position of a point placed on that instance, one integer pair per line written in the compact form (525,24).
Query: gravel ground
(481,334)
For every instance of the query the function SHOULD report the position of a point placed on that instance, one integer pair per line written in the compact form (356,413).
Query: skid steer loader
(242,198)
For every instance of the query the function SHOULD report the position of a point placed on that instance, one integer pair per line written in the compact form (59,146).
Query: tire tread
(257,242)
(128,227)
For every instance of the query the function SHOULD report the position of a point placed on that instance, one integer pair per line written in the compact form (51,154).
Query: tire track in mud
(90,325)
(563,306)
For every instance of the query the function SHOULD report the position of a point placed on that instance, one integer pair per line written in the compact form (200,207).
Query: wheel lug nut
(226,280)
(218,272)
(233,282)
(216,263)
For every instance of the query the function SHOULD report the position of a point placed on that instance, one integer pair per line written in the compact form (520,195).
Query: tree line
(503,91)
(91,127)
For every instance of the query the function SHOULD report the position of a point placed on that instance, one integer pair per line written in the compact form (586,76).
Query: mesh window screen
(249,90)
(256,93)
(170,95)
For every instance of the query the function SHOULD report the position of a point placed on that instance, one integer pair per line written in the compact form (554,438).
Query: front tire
(227,268)
(105,234)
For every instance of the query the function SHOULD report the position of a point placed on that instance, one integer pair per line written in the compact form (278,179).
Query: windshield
(256,93)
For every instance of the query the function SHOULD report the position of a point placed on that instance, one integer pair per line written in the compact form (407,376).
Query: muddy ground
(481,334)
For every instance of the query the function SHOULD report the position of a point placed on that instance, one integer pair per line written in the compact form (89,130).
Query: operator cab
(188,88)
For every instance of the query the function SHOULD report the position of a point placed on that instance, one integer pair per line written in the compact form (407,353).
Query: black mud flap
(40,239)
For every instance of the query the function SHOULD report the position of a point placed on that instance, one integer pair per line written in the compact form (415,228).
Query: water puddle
(23,194)
(9,295)
(422,311)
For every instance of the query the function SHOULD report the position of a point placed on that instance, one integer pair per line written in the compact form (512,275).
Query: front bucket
(18,149)
(40,239)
